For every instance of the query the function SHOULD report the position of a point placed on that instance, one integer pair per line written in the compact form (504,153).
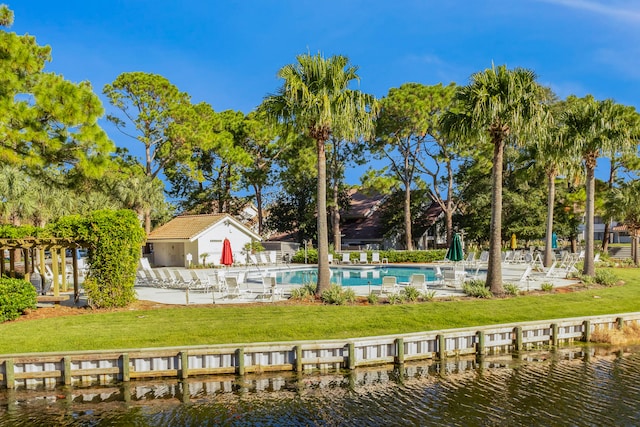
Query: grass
(273,323)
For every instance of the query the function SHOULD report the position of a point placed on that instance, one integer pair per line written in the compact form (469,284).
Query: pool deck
(253,289)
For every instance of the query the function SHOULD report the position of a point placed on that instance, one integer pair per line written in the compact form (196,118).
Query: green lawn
(264,322)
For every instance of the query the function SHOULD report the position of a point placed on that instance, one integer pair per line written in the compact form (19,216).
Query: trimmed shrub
(429,295)
(547,287)
(606,277)
(392,255)
(411,293)
(395,299)
(476,288)
(306,292)
(16,296)
(114,239)
(337,295)
(511,289)
(373,298)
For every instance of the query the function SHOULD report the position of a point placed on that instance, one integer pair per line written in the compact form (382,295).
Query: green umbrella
(455,253)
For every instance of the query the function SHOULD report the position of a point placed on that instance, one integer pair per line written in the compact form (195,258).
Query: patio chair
(202,281)
(263,258)
(363,258)
(346,258)
(439,276)
(375,257)
(389,285)
(418,281)
(483,259)
(270,287)
(330,258)
(273,258)
(471,259)
(453,278)
(526,277)
(186,278)
(233,287)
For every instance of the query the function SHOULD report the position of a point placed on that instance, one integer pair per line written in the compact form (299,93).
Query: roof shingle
(185,226)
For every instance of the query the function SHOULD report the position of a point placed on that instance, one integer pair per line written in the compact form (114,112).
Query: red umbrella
(227,256)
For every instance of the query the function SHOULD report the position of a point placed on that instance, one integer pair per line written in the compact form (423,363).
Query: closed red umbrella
(227,255)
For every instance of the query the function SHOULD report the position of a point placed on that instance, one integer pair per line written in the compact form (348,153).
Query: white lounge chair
(389,285)
(363,258)
(471,259)
(453,278)
(263,258)
(186,278)
(418,281)
(346,258)
(375,257)
(330,258)
(270,287)
(233,287)
(526,277)
(272,258)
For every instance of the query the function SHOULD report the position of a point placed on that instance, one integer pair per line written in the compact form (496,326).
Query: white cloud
(622,10)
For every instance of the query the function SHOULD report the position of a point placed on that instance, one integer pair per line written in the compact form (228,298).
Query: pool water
(355,276)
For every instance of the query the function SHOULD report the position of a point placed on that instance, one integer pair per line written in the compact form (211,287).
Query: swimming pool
(355,276)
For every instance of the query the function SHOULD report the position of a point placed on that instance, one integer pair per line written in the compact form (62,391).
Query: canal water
(568,387)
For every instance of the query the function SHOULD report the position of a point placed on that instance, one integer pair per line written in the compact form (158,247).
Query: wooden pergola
(33,250)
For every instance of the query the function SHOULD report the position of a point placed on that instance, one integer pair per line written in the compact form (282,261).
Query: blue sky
(227,53)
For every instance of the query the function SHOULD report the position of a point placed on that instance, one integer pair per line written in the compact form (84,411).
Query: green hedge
(392,255)
(16,296)
(114,239)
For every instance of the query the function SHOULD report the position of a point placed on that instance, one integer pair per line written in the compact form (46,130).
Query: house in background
(194,236)
(362,226)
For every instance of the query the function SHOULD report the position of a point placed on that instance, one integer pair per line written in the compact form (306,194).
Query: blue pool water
(355,276)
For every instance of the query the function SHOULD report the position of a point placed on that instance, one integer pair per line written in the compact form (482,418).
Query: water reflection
(581,386)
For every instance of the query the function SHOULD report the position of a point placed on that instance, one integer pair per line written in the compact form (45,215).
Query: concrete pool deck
(253,288)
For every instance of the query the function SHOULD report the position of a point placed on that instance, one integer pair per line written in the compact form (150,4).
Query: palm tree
(596,128)
(555,154)
(315,100)
(505,106)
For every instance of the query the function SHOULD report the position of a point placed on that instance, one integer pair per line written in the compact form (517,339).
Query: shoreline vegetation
(208,325)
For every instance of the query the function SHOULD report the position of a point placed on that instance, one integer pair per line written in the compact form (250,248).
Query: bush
(391,255)
(411,293)
(16,296)
(395,299)
(586,279)
(476,288)
(429,295)
(606,277)
(511,289)
(306,292)
(372,298)
(338,295)
(547,287)
(114,239)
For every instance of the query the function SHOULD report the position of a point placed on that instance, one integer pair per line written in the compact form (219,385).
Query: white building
(197,240)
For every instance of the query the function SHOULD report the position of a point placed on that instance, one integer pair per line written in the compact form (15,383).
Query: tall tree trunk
(551,196)
(147,221)
(494,267)
(449,205)
(607,226)
(335,217)
(323,231)
(258,191)
(407,219)
(589,266)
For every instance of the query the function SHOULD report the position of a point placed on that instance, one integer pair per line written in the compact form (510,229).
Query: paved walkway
(253,288)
